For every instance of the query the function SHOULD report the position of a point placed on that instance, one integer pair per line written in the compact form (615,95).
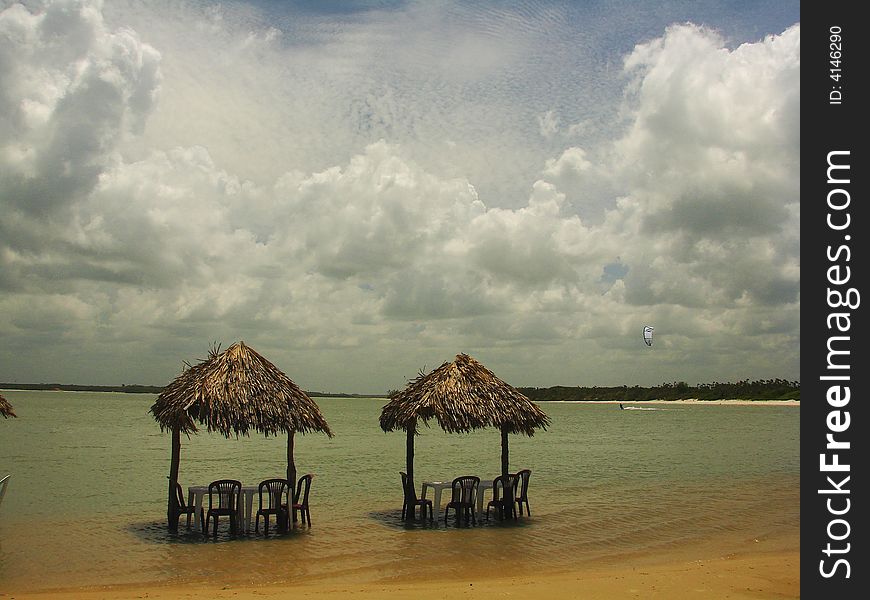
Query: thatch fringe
(462,395)
(233,392)
(6,408)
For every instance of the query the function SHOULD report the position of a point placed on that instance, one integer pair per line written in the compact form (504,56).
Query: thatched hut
(462,396)
(234,392)
(6,408)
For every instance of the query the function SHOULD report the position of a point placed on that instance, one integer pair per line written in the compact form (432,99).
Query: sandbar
(685,402)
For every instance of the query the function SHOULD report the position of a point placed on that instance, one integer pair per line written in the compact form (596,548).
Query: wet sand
(762,575)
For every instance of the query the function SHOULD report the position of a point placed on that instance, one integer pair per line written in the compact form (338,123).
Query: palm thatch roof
(463,395)
(233,392)
(6,408)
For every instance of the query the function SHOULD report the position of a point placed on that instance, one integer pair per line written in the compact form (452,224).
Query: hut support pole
(291,461)
(409,467)
(506,498)
(291,471)
(504,453)
(172,507)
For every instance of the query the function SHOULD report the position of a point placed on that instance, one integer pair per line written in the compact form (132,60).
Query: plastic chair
(464,491)
(183,507)
(4,483)
(524,490)
(271,492)
(502,503)
(223,500)
(302,507)
(412,502)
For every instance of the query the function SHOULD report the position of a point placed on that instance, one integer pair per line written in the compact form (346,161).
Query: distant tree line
(69,387)
(134,389)
(762,389)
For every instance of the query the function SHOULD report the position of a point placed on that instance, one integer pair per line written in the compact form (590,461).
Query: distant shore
(688,401)
(143,389)
(682,402)
(134,389)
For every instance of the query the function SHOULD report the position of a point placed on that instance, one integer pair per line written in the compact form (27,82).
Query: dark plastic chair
(505,500)
(523,494)
(183,507)
(271,493)
(223,500)
(302,506)
(464,491)
(411,502)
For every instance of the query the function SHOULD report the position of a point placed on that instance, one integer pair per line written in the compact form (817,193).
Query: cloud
(711,160)
(379,212)
(72,90)
(138,216)
(548,124)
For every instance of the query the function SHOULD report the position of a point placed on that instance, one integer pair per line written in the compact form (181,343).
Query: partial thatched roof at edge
(236,391)
(6,408)
(463,395)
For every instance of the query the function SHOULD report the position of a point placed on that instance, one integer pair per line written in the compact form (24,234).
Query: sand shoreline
(761,575)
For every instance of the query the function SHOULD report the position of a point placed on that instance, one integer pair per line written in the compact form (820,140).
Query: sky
(361,190)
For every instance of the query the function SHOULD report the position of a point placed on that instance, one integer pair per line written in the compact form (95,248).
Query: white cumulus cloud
(357,222)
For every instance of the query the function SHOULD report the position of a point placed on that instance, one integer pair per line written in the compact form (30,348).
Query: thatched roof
(233,392)
(6,408)
(463,395)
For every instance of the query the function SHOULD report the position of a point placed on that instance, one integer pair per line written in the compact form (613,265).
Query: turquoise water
(87,500)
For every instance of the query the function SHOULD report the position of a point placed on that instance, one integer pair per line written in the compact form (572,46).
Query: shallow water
(87,500)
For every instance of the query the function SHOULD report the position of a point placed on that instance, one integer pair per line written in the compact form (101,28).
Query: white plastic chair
(4,483)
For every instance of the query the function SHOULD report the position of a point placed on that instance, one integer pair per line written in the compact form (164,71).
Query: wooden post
(291,477)
(291,463)
(504,452)
(409,491)
(172,507)
(506,498)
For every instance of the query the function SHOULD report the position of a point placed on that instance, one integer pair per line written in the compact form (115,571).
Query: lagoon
(87,499)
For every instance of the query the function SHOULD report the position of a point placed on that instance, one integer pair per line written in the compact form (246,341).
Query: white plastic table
(196,495)
(440,485)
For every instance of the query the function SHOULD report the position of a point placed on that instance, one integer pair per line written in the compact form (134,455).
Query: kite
(647,335)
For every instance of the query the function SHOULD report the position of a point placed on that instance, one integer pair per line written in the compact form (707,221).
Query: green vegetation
(135,389)
(65,387)
(763,389)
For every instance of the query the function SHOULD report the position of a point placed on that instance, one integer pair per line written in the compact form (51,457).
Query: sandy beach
(763,575)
